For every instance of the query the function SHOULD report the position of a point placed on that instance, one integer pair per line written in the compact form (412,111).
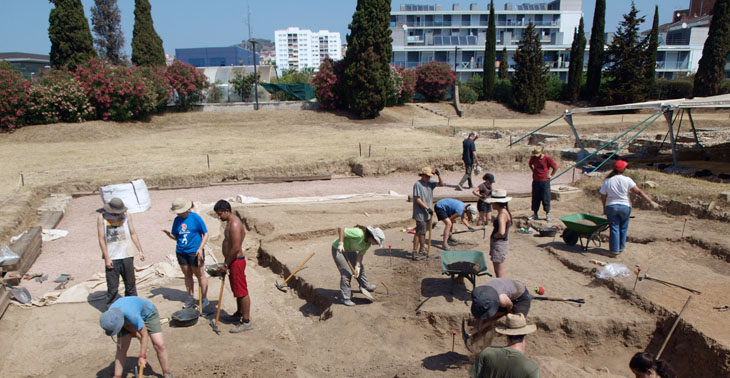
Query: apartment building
(301,48)
(422,33)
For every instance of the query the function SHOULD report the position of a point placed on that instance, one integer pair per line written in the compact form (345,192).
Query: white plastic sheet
(134,194)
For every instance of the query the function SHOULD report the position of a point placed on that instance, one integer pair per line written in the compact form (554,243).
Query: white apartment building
(422,33)
(301,48)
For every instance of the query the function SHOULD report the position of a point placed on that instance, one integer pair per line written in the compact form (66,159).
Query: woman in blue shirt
(189,230)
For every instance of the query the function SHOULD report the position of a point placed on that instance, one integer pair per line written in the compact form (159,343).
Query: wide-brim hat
(181,205)
(426,171)
(472,211)
(516,325)
(378,234)
(112,321)
(115,206)
(537,151)
(498,196)
(484,302)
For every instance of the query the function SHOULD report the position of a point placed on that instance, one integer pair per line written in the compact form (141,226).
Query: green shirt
(354,241)
(503,362)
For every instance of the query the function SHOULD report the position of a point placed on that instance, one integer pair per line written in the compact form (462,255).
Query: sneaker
(452,241)
(206,302)
(446,248)
(167,375)
(242,327)
(235,317)
(366,293)
(547,217)
(533,217)
(348,303)
(422,251)
(371,288)
(190,302)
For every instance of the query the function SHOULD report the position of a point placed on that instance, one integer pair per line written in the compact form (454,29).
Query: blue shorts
(189,259)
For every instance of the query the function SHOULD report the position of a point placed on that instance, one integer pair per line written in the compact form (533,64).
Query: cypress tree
(651,51)
(625,58)
(366,76)
(68,30)
(575,70)
(595,54)
(490,55)
(530,79)
(146,44)
(504,65)
(106,20)
(710,72)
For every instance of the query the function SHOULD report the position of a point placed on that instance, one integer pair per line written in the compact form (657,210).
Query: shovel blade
(465,336)
(281,288)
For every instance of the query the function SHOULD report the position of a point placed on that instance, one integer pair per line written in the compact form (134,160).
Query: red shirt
(541,167)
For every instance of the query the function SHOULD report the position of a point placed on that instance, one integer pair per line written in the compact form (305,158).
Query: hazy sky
(212,23)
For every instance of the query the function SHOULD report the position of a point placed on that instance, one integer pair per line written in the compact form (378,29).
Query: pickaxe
(647,277)
(281,287)
(576,300)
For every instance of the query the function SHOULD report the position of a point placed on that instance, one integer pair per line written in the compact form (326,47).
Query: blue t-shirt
(451,206)
(135,309)
(189,233)
(468,155)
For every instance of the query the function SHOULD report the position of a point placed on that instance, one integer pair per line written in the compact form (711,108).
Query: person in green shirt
(351,245)
(507,361)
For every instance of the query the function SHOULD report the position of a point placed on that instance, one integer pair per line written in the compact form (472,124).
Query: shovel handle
(220,300)
(200,288)
(576,300)
(298,269)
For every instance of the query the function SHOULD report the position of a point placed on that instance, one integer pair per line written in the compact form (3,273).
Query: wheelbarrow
(583,228)
(463,264)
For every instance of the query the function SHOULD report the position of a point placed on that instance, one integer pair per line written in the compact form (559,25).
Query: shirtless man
(235,263)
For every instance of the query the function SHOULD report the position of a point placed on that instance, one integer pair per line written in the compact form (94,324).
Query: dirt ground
(307,332)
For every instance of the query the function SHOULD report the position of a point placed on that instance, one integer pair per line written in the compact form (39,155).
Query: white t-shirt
(116,234)
(617,190)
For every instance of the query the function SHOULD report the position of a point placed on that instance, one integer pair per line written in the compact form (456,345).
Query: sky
(215,23)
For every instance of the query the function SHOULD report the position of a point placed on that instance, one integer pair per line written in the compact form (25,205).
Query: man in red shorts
(235,263)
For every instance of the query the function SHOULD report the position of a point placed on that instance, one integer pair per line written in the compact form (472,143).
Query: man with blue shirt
(448,209)
(189,230)
(138,317)
(469,156)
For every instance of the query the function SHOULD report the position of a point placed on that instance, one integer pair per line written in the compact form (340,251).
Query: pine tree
(366,76)
(68,30)
(530,79)
(146,44)
(625,59)
(575,70)
(710,72)
(504,65)
(106,19)
(595,54)
(651,52)
(490,55)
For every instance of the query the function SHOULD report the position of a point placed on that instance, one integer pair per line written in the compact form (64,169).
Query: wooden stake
(22,179)
(430,226)
(370,150)
(360,145)
(208,158)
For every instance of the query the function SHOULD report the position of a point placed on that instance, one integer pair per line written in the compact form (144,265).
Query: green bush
(724,87)
(243,84)
(467,95)
(669,89)
(58,97)
(503,91)
(476,83)
(555,88)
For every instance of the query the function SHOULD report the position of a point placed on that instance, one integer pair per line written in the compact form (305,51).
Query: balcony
(527,22)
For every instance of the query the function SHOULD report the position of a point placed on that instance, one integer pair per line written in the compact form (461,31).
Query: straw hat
(181,205)
(427,171)
(115,206)
(537,151)
(498,196)
(516,325)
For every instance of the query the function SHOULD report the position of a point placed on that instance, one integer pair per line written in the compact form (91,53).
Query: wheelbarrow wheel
(570,237)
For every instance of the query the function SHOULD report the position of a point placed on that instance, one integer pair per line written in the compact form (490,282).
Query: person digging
(348,251)
(447,210)
(135,317)
(496,298)
(510,360)
(235,264)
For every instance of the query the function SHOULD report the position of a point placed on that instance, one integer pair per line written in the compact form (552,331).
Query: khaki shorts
(498,249)
(421,227)
(152,323)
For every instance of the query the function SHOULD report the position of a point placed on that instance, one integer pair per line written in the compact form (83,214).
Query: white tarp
(338,197)
(134,194)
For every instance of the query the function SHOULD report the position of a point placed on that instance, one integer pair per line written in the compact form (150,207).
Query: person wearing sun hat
(190,233)
(135,317)
(116,239)
(348,251)
(510,360)
(499,240)
(543,169)
(422,204)
(617,204)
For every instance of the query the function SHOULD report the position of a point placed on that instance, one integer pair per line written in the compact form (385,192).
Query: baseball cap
(620,165)
(485,302)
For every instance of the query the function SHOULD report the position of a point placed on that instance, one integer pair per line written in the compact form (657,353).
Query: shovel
(647,277)
(576,300)
(281,287)
(465,336)
(362,289)
(20,294)
(218,311)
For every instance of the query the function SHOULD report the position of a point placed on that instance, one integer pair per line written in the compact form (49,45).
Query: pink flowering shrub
(434,79)
(118,93)
(13,98)
(327,84)
(156,77)
(186,83)
(58,97)
(403,84)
